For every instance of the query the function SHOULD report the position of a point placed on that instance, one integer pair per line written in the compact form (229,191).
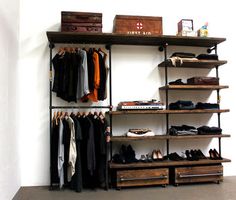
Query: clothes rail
(74,107)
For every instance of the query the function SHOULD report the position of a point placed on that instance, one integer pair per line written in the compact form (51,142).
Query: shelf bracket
(108,46)
(51,45)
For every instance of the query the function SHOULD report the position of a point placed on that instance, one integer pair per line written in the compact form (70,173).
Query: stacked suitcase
(81,22)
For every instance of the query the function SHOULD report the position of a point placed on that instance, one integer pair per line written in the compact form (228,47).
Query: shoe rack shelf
(165,137)
(167,163)
(207,64)
(110,39)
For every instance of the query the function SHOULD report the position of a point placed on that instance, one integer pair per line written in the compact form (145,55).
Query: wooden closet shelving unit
(109,39)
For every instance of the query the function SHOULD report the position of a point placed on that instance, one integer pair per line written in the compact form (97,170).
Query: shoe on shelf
(212,155)
(159,155)
(154,155)
(217,155)
(143,158)
(194,154)
(175,157)
(149,157)
(200,154)
(189,155)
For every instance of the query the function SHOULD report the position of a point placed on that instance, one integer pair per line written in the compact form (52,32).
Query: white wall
(9,40)
(37,17)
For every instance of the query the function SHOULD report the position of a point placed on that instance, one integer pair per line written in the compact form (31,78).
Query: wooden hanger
(99,49)
(78,114)
(61,51)
(54,116)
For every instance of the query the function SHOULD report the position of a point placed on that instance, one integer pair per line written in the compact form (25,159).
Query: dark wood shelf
(208,64)
(195,111)
(183,137)
(167,163)
(125,138)
(194,87)
(124,39)
(165,137)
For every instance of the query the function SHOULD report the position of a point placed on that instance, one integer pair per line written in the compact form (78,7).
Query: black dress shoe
(175,157)
(212,155)
(194,154)
(217,155)
(189,155)
(200,154)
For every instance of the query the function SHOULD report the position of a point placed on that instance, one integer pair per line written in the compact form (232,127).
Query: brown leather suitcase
(81,22)
(81,27)
(142,177)
(84,17)
(213,173)
(139,25)
(203,81)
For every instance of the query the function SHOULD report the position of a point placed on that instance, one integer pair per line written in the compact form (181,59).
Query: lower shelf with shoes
(197,174)
(141,177)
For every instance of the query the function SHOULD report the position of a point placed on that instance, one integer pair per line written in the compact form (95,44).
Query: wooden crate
(139,25)
(142,177)
(213,173)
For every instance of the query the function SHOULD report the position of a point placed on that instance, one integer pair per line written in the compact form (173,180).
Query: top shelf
(123,39)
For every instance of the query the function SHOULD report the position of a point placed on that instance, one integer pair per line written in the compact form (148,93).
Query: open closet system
(167,171)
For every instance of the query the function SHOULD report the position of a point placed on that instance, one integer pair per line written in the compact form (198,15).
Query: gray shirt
(83,85)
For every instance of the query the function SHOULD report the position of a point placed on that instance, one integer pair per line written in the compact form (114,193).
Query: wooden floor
(210,191)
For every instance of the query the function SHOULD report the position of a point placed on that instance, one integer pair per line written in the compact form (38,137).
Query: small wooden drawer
(199,174)
(142,177)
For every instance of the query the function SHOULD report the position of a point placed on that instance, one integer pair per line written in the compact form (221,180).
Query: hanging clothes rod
(74,107)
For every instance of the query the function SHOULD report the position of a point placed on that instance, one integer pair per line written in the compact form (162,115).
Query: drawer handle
(144,178)
(200,175)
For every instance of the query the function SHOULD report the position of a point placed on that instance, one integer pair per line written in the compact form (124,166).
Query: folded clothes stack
(197,80)
(178,58)
(202,80)
(188,105)
(191,130)
(183,130)
(206,130)
(140,133)
(181,105)
(201,105)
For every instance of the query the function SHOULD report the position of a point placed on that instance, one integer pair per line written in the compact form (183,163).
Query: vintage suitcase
(212,173)
(203,81)
(81,27)
(140,25)
(81,22)
(78,17)
(142,177)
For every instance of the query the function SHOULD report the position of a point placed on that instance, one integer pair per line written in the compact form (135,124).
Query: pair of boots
(126,155)
(194,154)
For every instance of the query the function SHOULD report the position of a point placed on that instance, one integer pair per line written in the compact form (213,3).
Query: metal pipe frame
(51,46)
